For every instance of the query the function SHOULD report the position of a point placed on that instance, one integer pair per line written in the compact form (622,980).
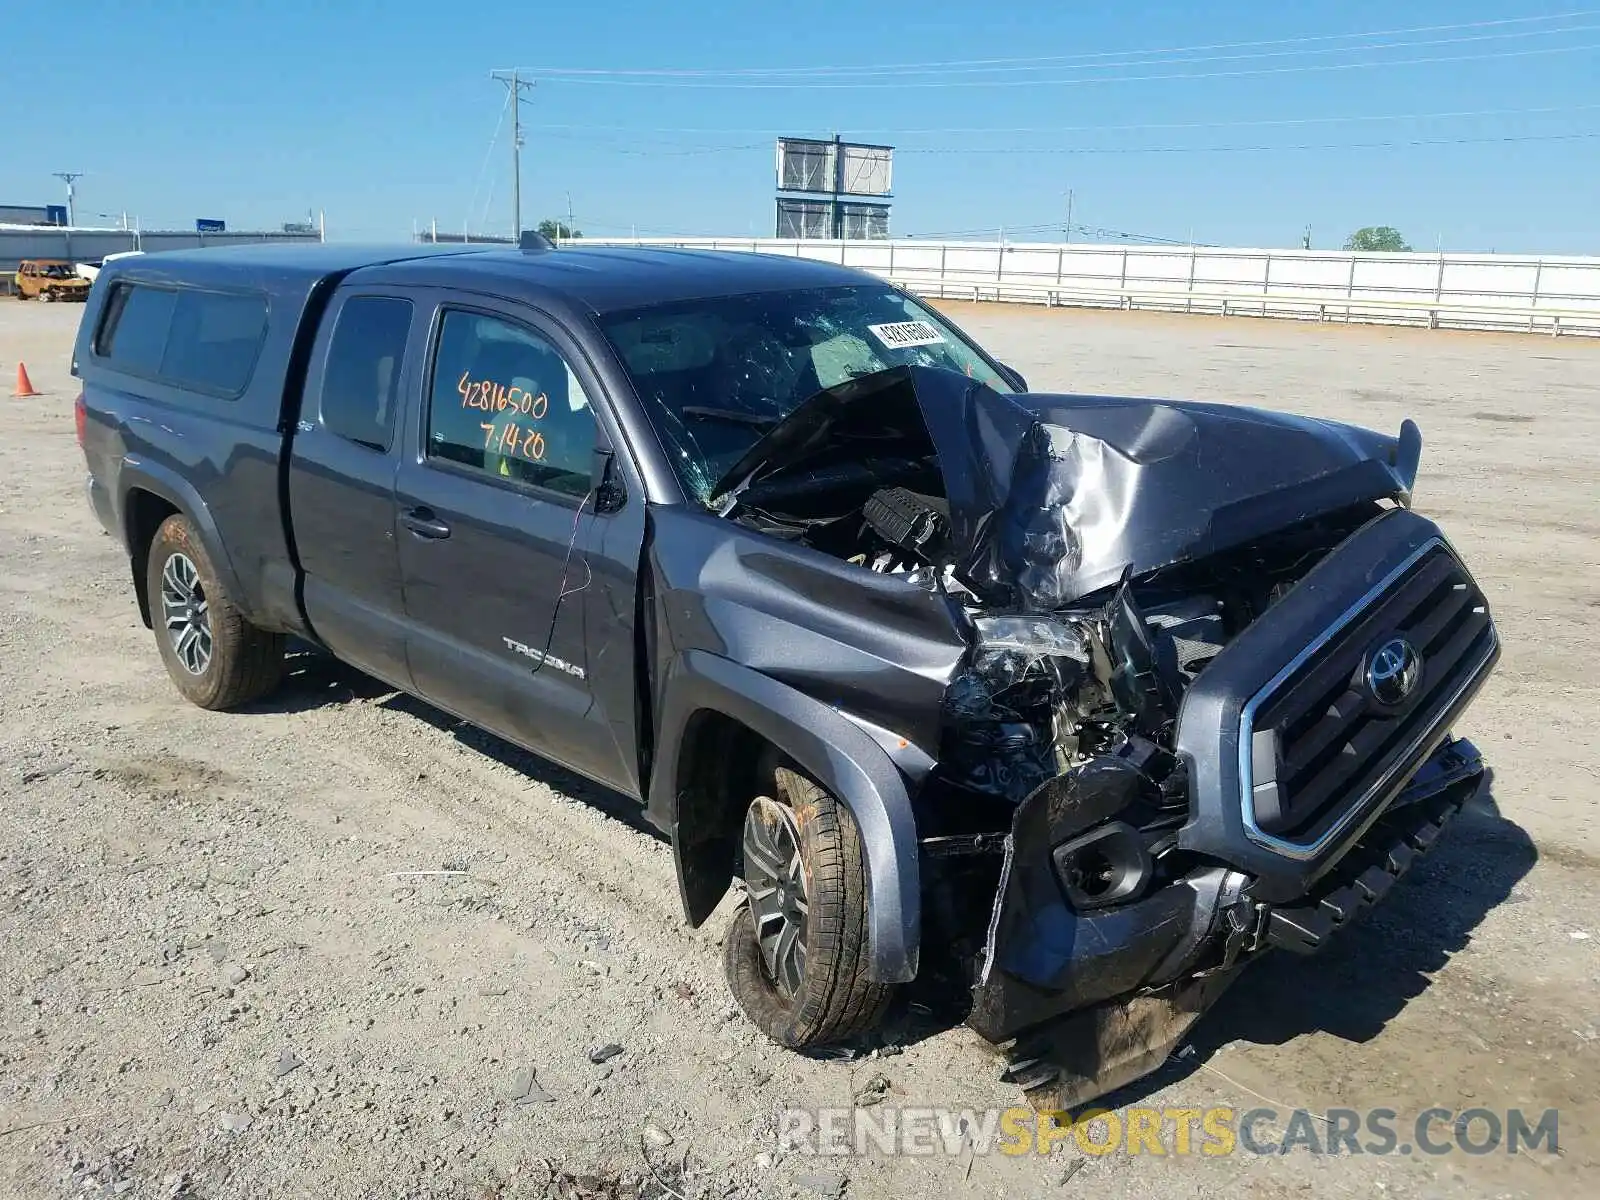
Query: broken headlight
(1005,712)
(1012,648)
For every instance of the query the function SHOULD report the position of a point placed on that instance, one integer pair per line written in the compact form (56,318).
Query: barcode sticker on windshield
(907,333)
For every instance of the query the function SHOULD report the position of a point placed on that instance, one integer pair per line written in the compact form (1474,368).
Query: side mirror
(609,494)
(1013,377)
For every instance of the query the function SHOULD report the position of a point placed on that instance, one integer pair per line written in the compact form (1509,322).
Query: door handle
(424,524)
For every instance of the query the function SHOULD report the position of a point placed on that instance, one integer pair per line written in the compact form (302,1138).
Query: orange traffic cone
(24,384)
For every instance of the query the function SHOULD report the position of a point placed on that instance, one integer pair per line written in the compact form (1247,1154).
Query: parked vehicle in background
(1087,701)
(91,270)
(49,279)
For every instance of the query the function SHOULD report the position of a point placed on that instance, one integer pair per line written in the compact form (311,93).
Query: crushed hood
(1055,496)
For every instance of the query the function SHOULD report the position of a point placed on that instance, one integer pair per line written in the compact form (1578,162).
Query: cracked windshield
(716,374)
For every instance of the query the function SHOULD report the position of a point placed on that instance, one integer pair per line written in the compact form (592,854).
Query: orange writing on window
(487,396)
(511,440)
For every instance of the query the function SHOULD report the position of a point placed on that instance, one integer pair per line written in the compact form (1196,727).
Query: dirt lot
(314,949)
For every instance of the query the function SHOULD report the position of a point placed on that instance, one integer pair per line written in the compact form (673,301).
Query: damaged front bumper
(1091,1001)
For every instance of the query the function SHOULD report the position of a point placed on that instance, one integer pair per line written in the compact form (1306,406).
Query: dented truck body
(1115,694)
(1169,684)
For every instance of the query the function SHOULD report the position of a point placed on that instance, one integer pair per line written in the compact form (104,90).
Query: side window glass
(505,402)
(133,334)
(214,340)
(361,382)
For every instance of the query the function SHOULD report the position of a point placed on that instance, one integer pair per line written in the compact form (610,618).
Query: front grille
(1321,743)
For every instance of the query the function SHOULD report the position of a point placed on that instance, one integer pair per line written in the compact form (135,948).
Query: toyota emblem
(1393,672)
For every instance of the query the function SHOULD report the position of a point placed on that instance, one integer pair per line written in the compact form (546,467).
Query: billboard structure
(821,183)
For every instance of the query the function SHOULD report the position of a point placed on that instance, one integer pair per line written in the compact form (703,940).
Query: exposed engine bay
(1095,839)
(1093,687)
(1101,552)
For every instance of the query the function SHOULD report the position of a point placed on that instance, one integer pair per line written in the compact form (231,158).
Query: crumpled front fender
(835,752)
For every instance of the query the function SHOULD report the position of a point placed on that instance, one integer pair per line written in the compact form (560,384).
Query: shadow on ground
(1361,981)
(1373,970)
(314,680)
(614,804)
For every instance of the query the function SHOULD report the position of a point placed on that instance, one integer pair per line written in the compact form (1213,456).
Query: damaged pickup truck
(1085,701)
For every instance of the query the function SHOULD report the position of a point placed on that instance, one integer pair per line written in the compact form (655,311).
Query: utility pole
(69,178)
(570,226)
(1066,234)
(837,212)
(514,84)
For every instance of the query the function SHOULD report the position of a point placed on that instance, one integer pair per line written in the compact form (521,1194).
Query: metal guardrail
(1266,304)
(1558,295)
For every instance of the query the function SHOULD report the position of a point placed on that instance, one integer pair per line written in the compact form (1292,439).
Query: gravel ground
(340,946)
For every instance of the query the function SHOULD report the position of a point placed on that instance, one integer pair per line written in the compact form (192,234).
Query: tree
(1377,237)
(558,231)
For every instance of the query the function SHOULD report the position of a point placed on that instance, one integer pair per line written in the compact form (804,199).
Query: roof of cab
(292,266)
(609,278)
(599,279)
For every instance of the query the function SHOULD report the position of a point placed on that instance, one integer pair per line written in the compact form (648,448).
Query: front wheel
(48,296)
(797,954)
(217,658)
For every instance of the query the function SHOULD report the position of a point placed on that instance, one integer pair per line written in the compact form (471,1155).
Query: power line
(487,154)
(1011,83)
(946,71)
(672,152)
(1224,149)
(1458,141)
(1124,128)
(1071,58)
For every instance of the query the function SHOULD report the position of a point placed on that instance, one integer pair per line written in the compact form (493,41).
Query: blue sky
(383,114)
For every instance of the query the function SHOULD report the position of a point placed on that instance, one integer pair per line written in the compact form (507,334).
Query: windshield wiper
(733,416)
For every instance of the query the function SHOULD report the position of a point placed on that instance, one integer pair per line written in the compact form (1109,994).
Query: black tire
(836,1000)
(244,663)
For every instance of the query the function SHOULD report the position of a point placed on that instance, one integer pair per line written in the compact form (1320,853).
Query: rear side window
(207,341)
(214,340)
(134,335)
(361,382)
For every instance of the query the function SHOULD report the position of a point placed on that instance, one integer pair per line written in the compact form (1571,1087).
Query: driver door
(520,597)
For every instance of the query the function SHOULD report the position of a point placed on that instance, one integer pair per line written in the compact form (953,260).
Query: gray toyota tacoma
(1084,702)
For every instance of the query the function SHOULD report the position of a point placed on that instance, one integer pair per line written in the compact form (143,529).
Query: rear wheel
(216,657)
(797,954)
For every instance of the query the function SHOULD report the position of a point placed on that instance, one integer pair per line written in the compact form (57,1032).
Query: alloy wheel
(187,613)
(775,888)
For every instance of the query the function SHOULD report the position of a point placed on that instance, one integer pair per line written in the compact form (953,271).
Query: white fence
(1464,291)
